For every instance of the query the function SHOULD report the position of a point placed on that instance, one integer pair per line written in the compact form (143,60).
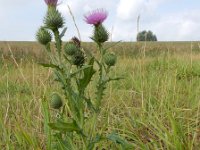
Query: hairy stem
(58,43)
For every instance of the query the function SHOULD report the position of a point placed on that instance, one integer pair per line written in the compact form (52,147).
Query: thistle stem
(58,43)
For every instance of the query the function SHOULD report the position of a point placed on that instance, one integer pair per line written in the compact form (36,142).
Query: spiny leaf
(119,140)
(112,45)
(79,70)
(63,32)
(47,130)
(50,66)
(66,127)
(66,144)
(92,143)
(89,104)
(88,73)
(114,79)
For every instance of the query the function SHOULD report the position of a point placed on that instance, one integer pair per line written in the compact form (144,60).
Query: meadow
(155,106)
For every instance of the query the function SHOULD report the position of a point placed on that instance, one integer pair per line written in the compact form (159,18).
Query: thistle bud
(78,59)
(56,101)
(43,36)
(100,34)
(53,19)
(76,41)
(110,59)
(70,48)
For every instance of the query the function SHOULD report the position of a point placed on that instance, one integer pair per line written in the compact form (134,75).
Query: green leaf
(112,45)
(114,79)
(92,143)
(67,59)
(89,104)
(119,140)
(47,130)
(63,143)
(88,73)
(63,32)
(50,66)
(65,127)
(79,70)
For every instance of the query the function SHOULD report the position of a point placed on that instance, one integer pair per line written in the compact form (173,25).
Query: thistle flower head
(96,17)
(51,2)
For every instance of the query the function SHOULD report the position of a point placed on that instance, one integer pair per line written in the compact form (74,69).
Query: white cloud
(79,8)
(130,9)
(127,13)
(178,26)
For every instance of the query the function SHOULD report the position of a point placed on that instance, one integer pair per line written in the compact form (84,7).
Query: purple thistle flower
(96,17)
(51,2)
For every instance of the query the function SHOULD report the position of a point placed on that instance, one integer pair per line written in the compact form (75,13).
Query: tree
(146,36)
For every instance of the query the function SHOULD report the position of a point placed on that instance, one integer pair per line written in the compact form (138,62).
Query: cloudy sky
(170,20)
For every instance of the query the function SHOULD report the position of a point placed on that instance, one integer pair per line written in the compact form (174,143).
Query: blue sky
(170,20)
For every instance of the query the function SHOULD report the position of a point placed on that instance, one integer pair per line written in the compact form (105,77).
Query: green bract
(56,101)
(53,19)
(70,48)
(43,36)
(78,59)
(110,59)
(100,34)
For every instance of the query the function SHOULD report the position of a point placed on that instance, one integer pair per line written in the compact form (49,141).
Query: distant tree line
(146,36)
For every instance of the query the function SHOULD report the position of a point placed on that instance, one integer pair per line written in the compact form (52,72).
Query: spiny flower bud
(43,36)
(100,34)
(110,59)
(78,59)
(70,48)
(76,41)
(56,101)
(53,19)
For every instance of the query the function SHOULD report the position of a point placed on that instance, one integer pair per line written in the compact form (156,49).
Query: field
(155,106)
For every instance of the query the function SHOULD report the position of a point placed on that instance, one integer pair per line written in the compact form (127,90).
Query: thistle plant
(74,71)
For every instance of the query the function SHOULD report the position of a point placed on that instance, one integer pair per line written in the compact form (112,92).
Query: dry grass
(156,106)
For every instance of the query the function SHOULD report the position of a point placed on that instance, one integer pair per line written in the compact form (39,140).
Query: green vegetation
(155,106)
